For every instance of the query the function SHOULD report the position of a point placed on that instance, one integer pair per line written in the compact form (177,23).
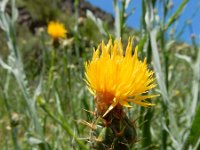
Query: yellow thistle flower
(115,79)
(56,30)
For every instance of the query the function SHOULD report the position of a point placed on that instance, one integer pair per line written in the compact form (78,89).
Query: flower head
(115,78)
(56,30)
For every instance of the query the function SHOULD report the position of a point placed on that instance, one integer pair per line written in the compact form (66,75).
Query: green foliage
(194,132)
(39,12)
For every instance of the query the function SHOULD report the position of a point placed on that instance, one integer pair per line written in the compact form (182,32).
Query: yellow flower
(56,30)
(115,78)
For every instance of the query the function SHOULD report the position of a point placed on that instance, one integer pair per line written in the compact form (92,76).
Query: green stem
(146,131)
(13,129)
(143,23)
(166,57)
(122,17)
(53,56)
(66,127)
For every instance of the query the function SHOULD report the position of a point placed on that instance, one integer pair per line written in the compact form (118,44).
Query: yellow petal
(110,74)
(138,100)
(124,103)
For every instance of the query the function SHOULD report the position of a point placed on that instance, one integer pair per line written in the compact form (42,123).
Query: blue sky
(134,20)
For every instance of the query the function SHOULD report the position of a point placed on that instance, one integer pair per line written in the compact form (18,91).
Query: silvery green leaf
(127,3)
(117,19)
(34,141)
(149,15)
(170,44)
(4,65)
(14,12)
(197,144)
(184,57)
(4,21)
(3,4)
(153,30)
(97,21)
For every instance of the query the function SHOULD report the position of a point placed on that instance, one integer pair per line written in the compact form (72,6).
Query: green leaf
(194,131)
(3,4)
(34,141)
(97,21)
(176,14)
(117,19)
